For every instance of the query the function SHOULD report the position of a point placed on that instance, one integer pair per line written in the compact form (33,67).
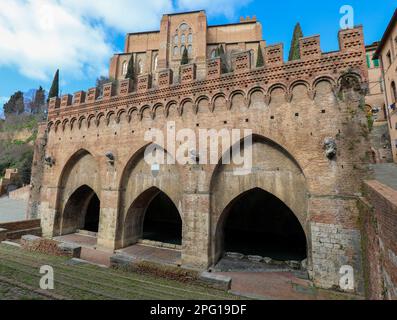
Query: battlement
(312,63)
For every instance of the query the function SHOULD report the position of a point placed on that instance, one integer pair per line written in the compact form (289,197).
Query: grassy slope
(87,282)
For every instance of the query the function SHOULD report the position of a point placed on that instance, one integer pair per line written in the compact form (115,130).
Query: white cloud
(39,36)
(122,15)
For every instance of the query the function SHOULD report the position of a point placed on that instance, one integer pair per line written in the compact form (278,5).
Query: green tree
(185,57)
(259,61)
(294,53)
(130,69)
(25,167)
(54,91)
(15,105)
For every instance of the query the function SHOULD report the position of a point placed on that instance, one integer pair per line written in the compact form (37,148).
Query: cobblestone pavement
(12,210)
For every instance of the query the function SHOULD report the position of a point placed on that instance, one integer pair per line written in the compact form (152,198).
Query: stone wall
(379,222)
(38,166)
(20,194)
(10,182)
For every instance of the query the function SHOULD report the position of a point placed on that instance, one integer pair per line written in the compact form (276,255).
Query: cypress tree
(259,61)
(294,53)
(130,69)
(54,91)
(185,57)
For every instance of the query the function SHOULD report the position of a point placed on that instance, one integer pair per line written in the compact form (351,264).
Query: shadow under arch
(152,216)
(258,223)
(274,171)
(81,211)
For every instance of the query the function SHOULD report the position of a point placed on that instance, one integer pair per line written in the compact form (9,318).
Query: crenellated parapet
(245,78)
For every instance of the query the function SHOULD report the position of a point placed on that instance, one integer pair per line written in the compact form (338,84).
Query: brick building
(309,149)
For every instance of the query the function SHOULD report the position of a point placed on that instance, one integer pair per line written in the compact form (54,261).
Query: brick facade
(291,109)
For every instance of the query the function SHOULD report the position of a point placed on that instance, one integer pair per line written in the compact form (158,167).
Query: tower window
(183,39)
(125,68)
(140,67)
(394,91)
(184,27)
(155,62)
(190,38)
(190,49)
(213,54)
(389,60)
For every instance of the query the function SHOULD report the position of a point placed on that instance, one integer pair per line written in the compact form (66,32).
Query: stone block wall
(379,229)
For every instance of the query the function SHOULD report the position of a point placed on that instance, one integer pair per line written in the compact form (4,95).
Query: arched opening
(124,68)
(81,211)
(92,215)
(394,91)
(162,221)
(153,216)
(258,223)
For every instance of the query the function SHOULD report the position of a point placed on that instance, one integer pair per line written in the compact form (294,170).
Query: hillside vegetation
(18,132)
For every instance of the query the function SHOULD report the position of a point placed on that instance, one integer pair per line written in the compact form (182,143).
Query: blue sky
(79,36)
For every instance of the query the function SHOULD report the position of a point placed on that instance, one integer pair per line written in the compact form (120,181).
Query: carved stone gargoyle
(330,148)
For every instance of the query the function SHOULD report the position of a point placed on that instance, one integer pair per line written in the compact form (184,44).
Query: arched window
(155,62)
(183,27)
(394,91)
(183,39)
(124,68)
(213,54)
(140,67)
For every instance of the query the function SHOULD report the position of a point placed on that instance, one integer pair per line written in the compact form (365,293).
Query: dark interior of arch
(82,211)
(91,222)
(258,223)
(162,221)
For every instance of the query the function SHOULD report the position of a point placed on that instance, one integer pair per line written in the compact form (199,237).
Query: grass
(88,282)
